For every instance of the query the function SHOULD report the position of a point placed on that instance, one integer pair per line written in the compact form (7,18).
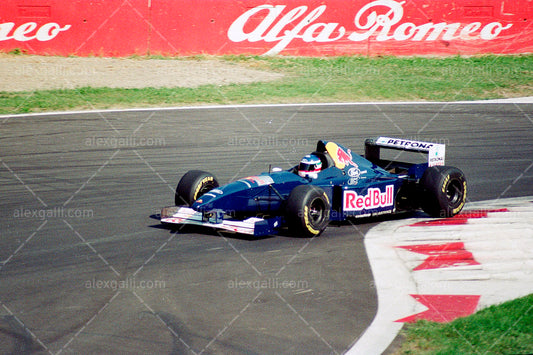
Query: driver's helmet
(310,166)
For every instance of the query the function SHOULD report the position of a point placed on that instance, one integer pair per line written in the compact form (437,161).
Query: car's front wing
(251,226)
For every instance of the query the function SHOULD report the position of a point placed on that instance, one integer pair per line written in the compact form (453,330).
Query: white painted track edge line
(527,100)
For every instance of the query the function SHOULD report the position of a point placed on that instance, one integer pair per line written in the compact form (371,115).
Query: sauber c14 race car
(330,184)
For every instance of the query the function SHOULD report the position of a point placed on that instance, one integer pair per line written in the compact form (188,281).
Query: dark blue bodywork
(355,186)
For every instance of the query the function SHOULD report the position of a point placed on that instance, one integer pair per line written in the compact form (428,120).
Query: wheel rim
(317,211)
(454,192)
(205,189)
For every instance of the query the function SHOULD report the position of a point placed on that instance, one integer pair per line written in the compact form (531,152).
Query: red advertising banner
(266,27)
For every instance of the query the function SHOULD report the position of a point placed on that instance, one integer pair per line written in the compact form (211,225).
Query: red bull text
(372,200)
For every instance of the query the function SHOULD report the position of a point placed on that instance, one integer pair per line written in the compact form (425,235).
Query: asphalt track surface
(87,268)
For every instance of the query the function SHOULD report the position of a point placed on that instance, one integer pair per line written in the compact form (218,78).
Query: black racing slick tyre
(444,191)
(192,185)
(307,211)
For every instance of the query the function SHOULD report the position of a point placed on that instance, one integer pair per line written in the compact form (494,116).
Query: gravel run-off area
(29,73)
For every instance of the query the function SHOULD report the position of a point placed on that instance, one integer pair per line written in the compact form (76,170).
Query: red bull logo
(340,156)
(345,157)
(373,199)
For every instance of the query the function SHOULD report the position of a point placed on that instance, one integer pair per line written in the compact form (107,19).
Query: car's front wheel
(307,211)
(192,185)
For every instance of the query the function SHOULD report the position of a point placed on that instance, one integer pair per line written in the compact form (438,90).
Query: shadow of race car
(330,184)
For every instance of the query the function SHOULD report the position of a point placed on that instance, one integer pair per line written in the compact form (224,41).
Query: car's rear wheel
(307,211)
(192,185)
(444,191)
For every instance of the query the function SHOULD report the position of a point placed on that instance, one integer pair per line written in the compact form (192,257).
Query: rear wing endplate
(436,152)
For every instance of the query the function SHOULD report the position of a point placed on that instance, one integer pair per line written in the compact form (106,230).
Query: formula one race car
(330,184)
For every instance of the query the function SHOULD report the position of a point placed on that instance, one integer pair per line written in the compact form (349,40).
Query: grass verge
(502,329)
(330,79)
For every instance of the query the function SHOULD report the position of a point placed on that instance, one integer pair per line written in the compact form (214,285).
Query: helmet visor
(309,167)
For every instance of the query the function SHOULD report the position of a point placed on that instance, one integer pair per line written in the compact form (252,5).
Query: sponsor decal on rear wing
(436,152)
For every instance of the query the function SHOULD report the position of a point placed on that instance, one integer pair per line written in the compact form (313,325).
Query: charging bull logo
(345,157)
(340,156)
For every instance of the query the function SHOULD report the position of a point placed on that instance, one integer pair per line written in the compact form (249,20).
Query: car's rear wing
(436,152)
